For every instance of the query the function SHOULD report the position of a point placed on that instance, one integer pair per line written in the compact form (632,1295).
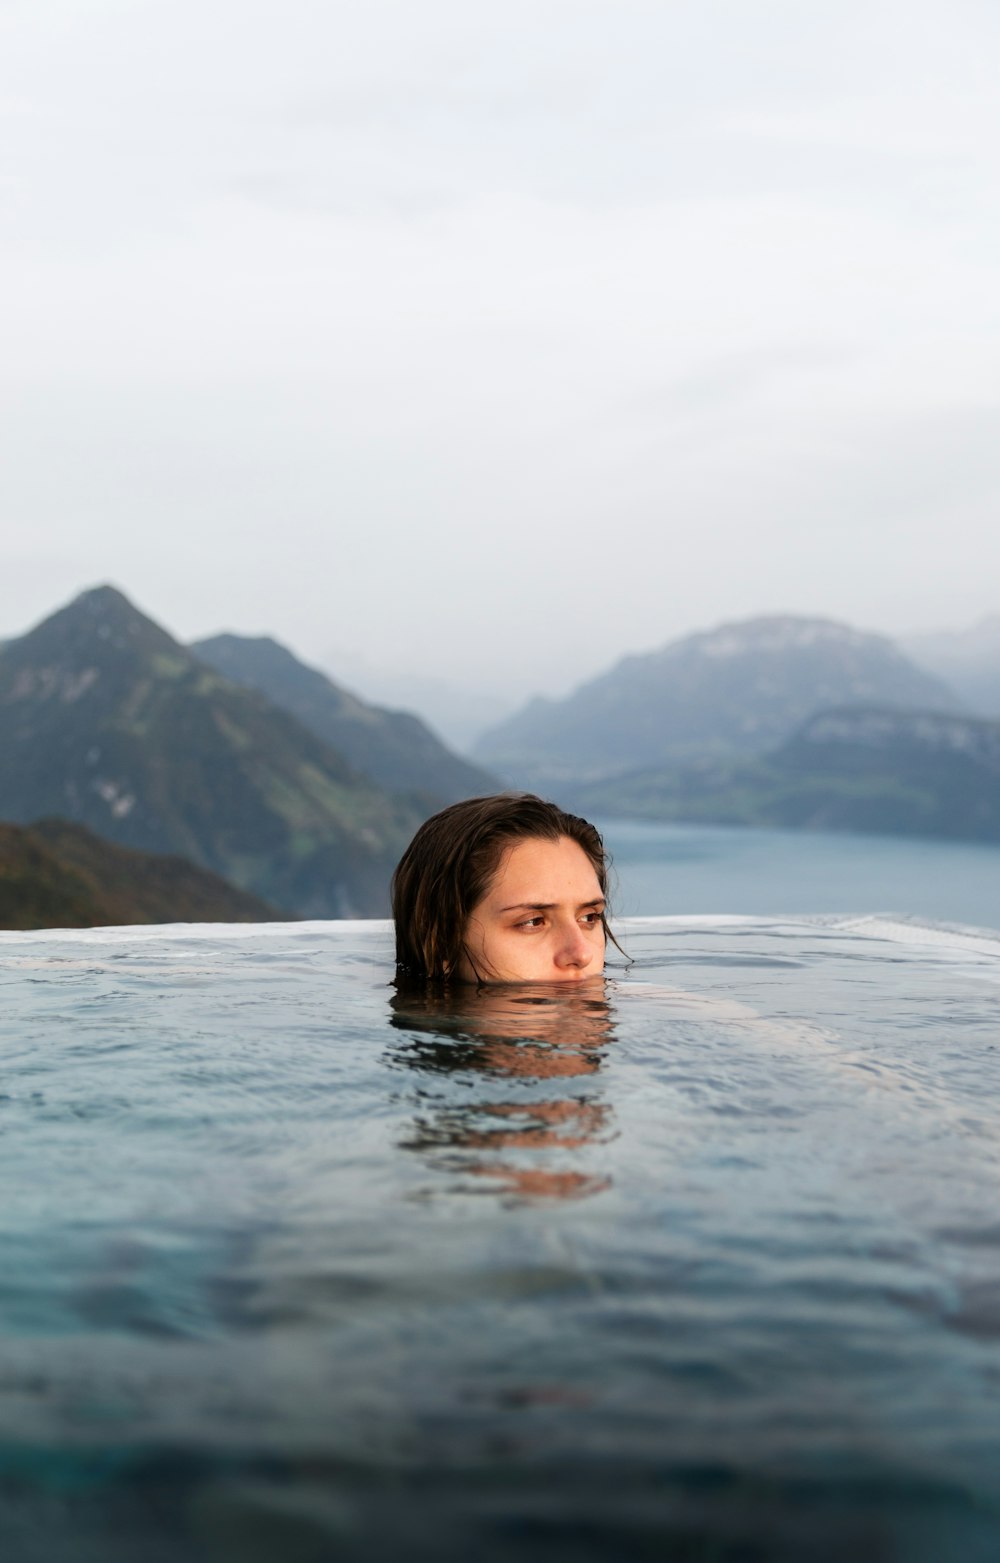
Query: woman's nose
(573,949)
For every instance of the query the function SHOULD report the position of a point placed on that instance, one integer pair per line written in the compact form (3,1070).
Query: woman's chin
(549,979)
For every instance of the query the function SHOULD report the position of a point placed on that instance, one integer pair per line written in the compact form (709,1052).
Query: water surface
(700,1262)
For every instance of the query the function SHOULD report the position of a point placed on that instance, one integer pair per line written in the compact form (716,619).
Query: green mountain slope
(108,721)
(740,689)
(918,773)
(57,875)
(394,747)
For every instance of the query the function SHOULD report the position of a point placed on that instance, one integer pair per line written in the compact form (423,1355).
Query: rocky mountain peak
(95,628)
(739,688)
(92,650)
(776,633)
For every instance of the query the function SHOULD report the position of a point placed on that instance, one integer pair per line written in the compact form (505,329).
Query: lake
(680,869)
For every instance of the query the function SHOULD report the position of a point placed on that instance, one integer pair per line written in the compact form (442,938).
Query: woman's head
(505,889)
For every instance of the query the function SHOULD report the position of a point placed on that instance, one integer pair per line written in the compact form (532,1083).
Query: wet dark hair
(447,868)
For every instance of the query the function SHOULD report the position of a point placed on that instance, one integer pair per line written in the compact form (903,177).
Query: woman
(502,889)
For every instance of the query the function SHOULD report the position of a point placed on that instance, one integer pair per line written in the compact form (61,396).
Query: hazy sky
(494,340)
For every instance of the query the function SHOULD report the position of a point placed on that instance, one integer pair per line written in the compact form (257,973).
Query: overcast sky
(490,341)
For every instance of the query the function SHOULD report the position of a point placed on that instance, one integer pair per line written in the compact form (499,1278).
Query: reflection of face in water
(522,1142)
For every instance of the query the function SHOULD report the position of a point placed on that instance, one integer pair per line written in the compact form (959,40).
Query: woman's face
(540,919)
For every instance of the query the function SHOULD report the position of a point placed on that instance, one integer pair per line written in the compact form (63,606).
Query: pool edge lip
(923,931)
(915,932)
(138,933)
(887,926)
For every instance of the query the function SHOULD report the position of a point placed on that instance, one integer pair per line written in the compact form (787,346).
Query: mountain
(739,689)
(398,750)
(58,875)
(108,721)
(456,711)
(969,660)
(923,773)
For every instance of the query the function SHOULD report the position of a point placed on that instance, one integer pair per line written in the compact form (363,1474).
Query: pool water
(701,1262)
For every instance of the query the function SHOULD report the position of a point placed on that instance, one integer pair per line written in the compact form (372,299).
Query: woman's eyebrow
(546,906)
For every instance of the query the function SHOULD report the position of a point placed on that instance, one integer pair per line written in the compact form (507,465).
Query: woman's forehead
(537,870)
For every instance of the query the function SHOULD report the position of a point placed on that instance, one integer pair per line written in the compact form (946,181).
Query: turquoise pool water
(703,1263)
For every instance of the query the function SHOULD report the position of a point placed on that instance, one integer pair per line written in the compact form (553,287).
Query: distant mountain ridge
(396,748)
(57,875)
(107,720)
(923,773)
(739,689)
